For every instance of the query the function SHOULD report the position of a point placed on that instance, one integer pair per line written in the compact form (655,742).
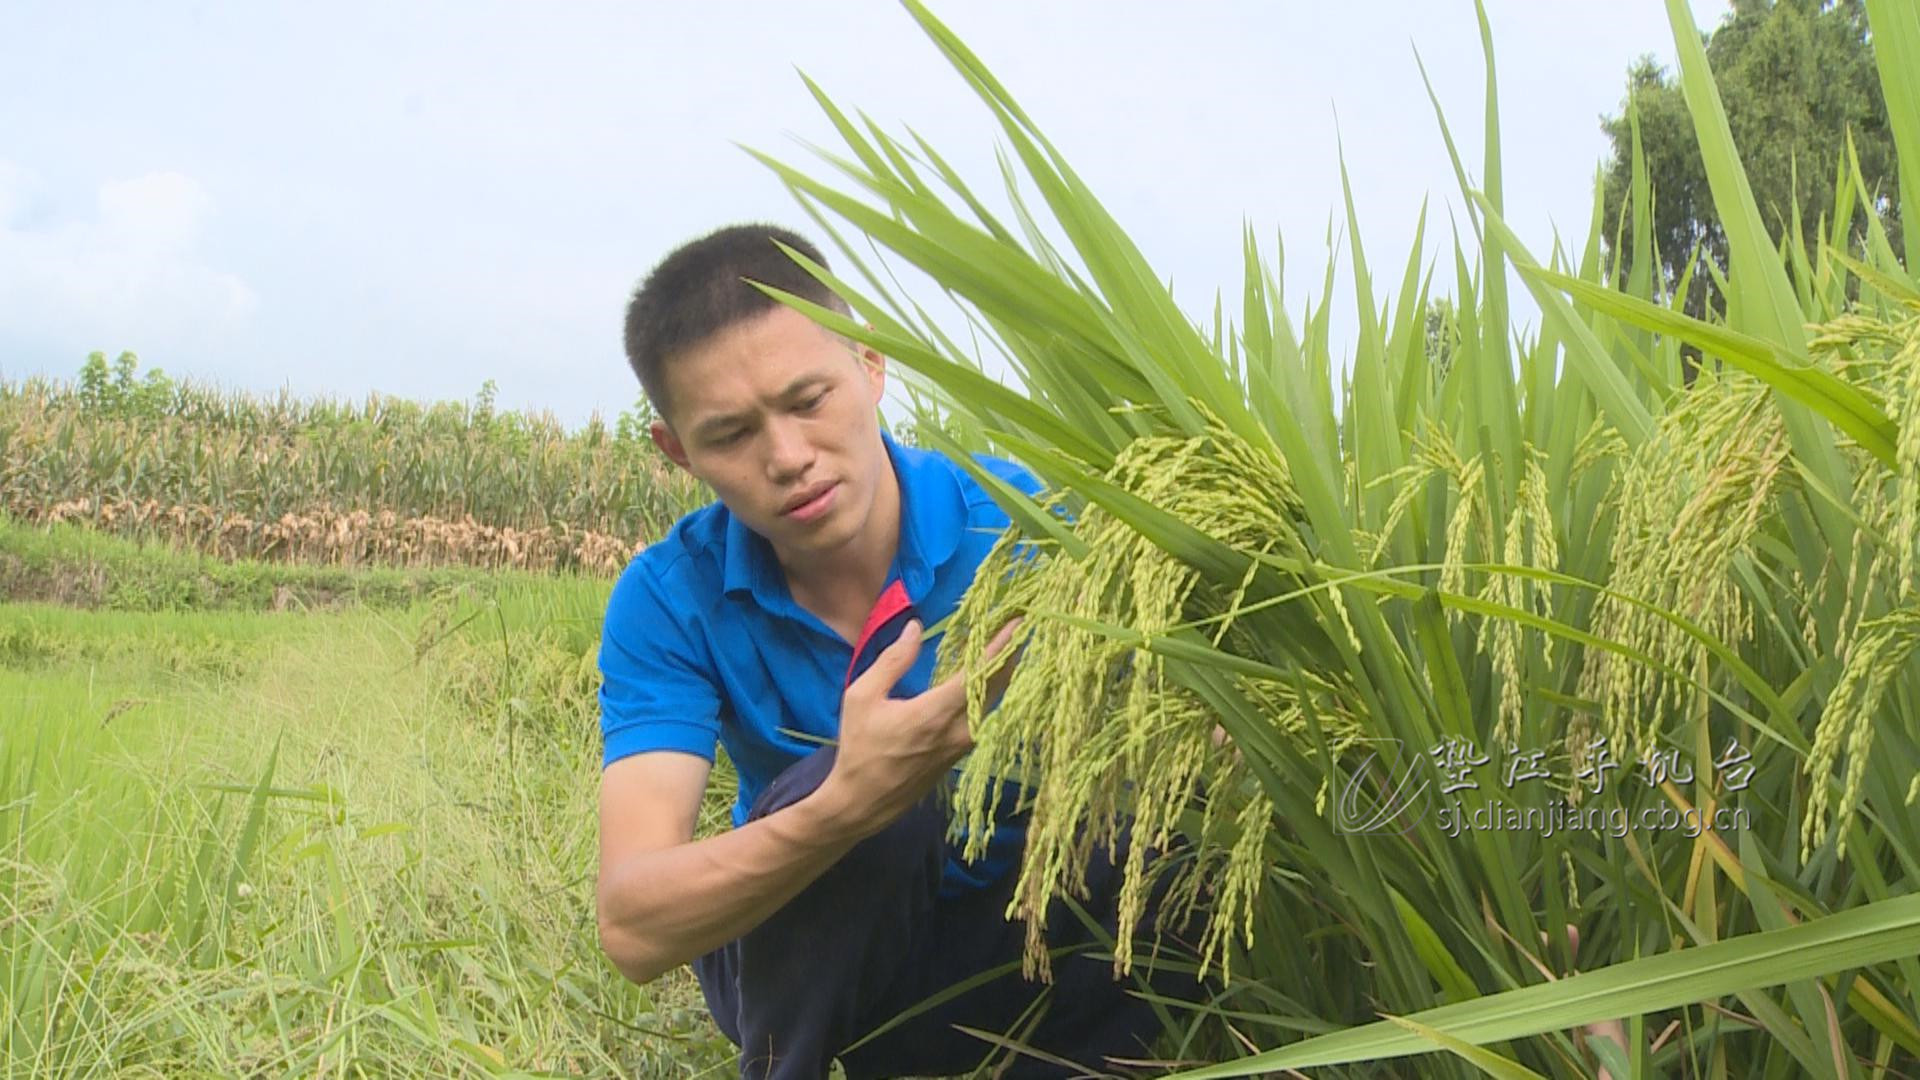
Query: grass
(75,566)
(344,842)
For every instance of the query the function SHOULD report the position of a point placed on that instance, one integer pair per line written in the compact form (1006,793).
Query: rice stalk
(1529,541)
(1092,725)
(1601,442)
(1693,499)
(1880,649)
(1883,356)
(1470,518)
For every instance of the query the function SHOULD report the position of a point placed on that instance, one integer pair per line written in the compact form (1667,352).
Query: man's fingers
(997,683)
(1005,635)
(945,703)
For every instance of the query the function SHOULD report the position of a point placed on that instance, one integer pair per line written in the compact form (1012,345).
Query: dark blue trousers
(872,937)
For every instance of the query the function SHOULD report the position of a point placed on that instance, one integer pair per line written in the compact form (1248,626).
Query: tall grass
(1511,554)
(353,843)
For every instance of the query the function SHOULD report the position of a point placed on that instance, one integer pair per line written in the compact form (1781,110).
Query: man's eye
(729,438)
(815,401)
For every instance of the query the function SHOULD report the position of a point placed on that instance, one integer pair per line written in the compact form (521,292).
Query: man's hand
(894,750)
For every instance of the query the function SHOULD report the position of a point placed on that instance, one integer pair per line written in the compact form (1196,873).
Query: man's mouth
(811,502)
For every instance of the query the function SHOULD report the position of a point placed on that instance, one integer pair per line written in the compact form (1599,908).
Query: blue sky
(412,198)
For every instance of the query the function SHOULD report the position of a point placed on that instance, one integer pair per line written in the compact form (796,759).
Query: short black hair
(698,291)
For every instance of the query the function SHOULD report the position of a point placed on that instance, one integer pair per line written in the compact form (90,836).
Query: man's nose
(790,453)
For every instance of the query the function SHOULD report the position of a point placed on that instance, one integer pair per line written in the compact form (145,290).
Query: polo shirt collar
(933,512)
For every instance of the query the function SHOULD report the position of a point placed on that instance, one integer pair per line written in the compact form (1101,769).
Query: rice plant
(1560,689)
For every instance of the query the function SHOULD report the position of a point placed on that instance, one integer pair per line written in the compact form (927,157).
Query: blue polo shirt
(703,644)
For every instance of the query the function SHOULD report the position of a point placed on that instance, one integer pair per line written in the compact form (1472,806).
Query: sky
(415,198)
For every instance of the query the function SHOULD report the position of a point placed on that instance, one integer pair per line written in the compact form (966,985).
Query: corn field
(387,481)
(1573,705)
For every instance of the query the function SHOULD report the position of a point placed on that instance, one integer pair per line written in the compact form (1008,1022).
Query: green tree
(1442,333)
(1795,76)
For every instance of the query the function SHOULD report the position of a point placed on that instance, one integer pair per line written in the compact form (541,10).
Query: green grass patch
(353,842)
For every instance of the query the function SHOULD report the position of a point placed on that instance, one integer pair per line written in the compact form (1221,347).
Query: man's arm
(666,898)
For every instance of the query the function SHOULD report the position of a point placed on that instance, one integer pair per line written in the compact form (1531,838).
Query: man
(788,614)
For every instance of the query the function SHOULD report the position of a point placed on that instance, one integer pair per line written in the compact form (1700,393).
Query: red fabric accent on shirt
(893,600)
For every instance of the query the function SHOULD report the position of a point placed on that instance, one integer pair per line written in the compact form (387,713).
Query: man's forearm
(660,909)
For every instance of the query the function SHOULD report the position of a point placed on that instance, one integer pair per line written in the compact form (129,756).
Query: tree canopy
(1795,76)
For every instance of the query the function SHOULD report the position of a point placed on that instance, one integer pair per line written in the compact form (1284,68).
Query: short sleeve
(657,690)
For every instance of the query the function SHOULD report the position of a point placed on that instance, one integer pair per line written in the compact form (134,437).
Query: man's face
(778,416)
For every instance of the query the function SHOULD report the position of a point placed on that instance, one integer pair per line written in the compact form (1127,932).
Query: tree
(1442,338)
(1796,76)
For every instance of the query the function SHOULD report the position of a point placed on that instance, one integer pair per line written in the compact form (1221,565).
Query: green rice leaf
(1871,934)
(1896,48)
(1843,405)
(1488,1062)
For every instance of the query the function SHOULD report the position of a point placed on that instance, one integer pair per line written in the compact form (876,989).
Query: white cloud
(158,212)
(128,275)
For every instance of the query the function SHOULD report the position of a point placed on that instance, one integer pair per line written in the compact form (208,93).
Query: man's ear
(874,364)
(668,442)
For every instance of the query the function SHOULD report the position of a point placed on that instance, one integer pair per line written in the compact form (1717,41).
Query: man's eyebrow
(713,424)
